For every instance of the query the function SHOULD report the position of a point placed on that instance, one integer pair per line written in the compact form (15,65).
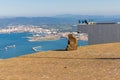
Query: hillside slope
(97,62)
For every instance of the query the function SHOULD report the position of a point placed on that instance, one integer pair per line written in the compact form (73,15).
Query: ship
(10,46)
(37,49)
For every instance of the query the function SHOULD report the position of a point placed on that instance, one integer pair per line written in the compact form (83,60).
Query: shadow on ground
(61,50)
(108,58)
(71,58)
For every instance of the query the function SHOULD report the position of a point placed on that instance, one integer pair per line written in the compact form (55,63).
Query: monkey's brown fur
(72,43)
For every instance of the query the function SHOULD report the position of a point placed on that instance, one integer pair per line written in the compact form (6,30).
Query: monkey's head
(70,35)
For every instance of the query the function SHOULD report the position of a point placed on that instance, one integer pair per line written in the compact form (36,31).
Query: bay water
(24,47)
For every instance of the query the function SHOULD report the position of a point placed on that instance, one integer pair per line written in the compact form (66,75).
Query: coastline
(95,62)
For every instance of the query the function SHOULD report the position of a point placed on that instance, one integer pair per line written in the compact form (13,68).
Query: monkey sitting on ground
(72,43)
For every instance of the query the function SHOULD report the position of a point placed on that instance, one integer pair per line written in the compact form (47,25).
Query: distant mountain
(66,19)
(36,21)
(68,16)
(96,18)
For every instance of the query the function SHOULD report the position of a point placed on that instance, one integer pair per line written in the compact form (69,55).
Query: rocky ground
(97,62)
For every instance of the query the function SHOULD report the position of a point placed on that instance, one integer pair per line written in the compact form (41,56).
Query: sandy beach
(96,62)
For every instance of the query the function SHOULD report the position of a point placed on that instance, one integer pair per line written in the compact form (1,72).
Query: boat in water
(37,49)
(10,46)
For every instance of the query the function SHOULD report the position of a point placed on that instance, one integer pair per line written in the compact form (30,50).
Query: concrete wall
(101,33)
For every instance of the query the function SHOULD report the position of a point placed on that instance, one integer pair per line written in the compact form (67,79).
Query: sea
(17,44)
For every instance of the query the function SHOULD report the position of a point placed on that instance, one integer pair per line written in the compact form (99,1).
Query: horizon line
(60,15)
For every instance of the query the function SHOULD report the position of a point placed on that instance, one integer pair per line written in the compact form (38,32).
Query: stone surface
(72,43)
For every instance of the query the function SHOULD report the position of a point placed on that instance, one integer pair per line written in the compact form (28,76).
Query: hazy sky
(56,7)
